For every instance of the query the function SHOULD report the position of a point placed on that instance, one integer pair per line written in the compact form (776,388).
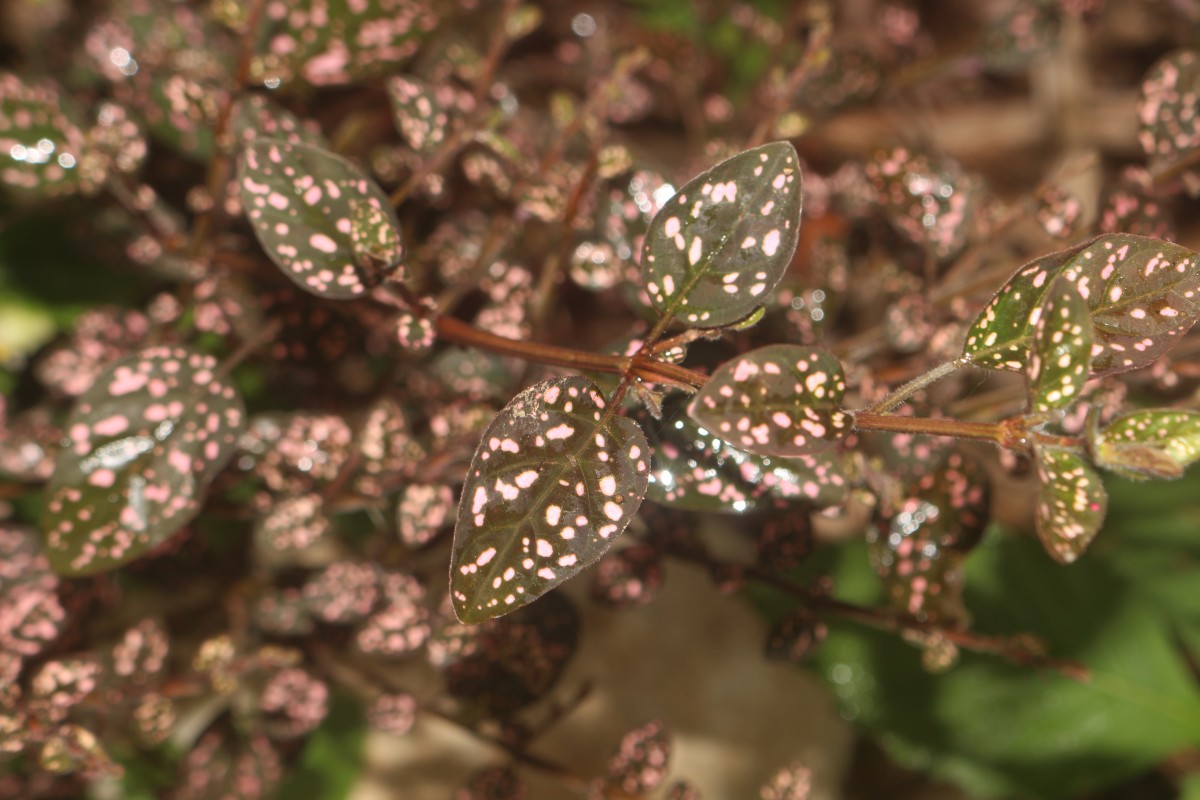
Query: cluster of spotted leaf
(1115,303)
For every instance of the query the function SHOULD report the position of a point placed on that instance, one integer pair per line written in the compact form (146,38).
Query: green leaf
(781,400)
(717,249)
(1150,443)
(1168,109)
(331,762)
(303,203)
(1004,731)
(41,146)
(1062,349)
(554,482)
(142,446)
(1071,503)
(1143,295)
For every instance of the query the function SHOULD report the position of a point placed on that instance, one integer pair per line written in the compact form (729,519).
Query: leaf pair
(1142,295)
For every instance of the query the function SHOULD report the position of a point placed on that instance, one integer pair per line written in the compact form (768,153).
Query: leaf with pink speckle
(142,445)
(928,199)
(1071,503)
(1168,108)
(40,143)
(333,43)
(421,112)
(256,117)
(555,481)
(1026,31)
(1158,443)
(779,400)
(718,248)
(1143,295)
(642,758)
(317,215)
(1062,349)
(696,470)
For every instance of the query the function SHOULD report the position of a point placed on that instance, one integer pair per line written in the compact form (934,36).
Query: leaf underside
(781,400)
(303,202)
(1143,295)
(142,446)
(552,485)
(717,249)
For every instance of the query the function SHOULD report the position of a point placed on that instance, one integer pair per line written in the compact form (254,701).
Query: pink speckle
(323,243)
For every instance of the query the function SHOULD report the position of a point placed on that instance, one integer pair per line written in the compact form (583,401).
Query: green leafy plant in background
(225,491)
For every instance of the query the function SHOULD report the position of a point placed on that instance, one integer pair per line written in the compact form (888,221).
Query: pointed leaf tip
(553,483)
(721,244)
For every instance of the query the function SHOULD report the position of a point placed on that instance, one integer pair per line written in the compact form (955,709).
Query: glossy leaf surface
(40,145)
(144,442)
(1071,503)
(1062,349)
(552,485)
(716,250)
(695,470)
(1143,295)
(780,400)
(1151,443)
(303,203)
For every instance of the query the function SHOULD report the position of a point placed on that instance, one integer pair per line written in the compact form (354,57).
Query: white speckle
(552,514)
(608,485)
(771,242)
(526,478)
(544,548)
(612,511)
(479,501)
(486,556)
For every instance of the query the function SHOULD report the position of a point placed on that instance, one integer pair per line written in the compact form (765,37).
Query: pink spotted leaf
(41,145)
(1062,349)
(1168,109)
(718,248)
(1143,295)
(696,470)
(421,113)
(554,481)
(1157,443)
(1026,31)
(642,758)
(629,577)
(331,44)
(258,117)
(1071,503)
(779,400)
(319,217)
(142,445)
(927,199)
